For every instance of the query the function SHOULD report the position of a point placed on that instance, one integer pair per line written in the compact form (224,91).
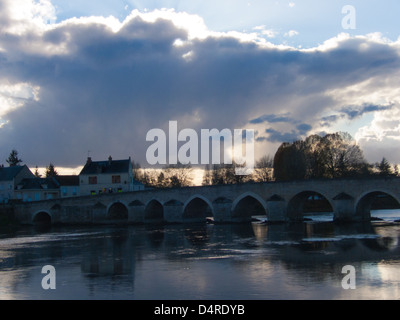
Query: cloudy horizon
(92,79)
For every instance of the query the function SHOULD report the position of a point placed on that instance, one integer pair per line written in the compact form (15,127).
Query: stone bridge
(349,200)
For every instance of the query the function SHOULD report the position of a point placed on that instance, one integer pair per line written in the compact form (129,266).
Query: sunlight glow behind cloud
(101,82)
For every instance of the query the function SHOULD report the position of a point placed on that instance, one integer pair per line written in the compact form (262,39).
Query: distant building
(69,185)
(37,189)
(10,177)
(108,176)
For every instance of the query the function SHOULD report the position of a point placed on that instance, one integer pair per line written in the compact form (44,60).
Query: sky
(81,78)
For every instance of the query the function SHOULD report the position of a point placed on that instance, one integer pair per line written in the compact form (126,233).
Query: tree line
(335,155)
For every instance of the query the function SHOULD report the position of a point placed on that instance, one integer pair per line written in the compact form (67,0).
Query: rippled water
(250,261)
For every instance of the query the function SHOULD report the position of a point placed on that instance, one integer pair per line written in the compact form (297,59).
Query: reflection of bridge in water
(323,247)
(120,259)
(348,199)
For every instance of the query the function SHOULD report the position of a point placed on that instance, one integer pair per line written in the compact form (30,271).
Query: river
(239,262)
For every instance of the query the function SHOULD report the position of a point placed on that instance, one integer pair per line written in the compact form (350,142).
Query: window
(116,179)
(92,180)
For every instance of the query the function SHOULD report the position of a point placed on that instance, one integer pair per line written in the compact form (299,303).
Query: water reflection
(237,261)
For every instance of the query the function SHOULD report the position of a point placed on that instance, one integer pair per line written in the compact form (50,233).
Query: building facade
(69,185)
(37,189)
(10,177)
(108,176)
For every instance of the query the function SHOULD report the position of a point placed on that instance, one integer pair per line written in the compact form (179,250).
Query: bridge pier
(99,212)
(173,211)
(343,208)
(222,210)
(136,212)
(276,209)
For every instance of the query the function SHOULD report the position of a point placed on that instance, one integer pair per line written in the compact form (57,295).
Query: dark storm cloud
(102,90)
(276,136)
(353,112)
(271,118)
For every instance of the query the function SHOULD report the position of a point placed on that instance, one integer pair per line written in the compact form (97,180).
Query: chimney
(89,160)
(109,159)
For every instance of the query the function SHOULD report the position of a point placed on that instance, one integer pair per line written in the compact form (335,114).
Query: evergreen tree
(384,167)
(13,159)
(51,171)
(396,170)
(37,174)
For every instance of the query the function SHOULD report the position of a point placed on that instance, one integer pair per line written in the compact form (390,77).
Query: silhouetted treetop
(13,159)
(334,155)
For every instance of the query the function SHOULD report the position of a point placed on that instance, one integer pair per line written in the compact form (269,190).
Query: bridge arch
(117,211)
(298,203)
(154,211)
(42,217)
(376,199)
(197,208)
(247,205)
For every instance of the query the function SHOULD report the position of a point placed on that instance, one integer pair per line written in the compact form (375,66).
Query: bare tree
(137,171)
(331,156)
(207,176)
(264,168)
(178,175)
(223,174)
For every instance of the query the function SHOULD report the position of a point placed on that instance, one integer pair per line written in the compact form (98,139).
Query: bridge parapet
(349,199)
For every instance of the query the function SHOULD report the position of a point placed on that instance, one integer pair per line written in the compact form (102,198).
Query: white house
(107,176)
(10,177)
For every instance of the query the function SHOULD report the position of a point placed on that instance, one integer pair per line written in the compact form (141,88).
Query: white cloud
(14,96)
(104,83)
(269,33)
(23,15)
(291,33)
(383,135)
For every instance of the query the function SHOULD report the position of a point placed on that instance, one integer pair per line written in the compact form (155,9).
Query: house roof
(9,173)
(106,167)
(38,183)
(69,180)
